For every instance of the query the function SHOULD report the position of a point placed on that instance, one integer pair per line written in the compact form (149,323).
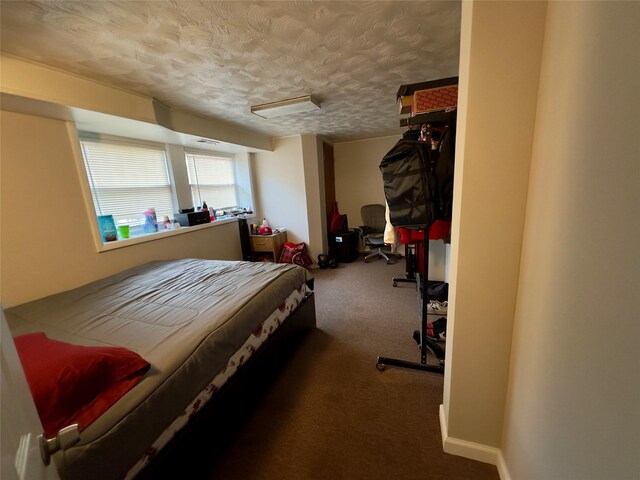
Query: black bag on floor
(438,291)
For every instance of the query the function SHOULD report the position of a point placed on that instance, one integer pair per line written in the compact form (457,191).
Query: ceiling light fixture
(207,140)
(305,103)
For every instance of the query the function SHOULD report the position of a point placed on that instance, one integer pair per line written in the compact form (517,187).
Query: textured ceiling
(219,58)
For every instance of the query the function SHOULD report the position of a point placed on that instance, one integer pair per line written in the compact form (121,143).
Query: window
(212,180)
(127,179)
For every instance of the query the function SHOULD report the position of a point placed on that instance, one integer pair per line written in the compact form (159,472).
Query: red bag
(295,253)
(439,230)
(337,222)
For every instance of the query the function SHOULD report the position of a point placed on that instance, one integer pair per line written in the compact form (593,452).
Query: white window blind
(126,180)
(212,180)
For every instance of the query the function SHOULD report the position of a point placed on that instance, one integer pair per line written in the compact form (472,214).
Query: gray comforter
(185,317)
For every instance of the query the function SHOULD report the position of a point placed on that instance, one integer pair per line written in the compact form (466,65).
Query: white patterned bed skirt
(258,337)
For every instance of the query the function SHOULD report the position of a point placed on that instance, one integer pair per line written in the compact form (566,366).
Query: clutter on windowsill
(233,213)
(137,235)
(146,227)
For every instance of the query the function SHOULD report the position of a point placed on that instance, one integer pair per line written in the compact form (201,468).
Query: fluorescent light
(286,107)
(208,140)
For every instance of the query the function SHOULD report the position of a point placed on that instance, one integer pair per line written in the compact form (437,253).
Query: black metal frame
(425,342)
(410,258)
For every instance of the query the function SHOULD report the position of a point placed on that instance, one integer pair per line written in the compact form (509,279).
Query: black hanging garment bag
(444,172)
(418,180)
(409,191)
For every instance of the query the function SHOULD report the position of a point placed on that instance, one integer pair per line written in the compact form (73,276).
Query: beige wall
(499,68)
(46,245)
(314,192)
(358,178)
(574,391)
(571,406)
(280,187)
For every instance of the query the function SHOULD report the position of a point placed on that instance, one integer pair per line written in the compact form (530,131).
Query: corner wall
(280,187)
(574,390)
(313,163)
(501,47)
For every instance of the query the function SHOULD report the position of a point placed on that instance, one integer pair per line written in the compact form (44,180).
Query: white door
(19,422)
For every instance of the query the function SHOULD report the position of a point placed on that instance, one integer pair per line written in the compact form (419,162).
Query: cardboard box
(426,97)
(435,99)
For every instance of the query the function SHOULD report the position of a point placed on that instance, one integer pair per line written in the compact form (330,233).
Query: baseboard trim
(503,471)
(474,451)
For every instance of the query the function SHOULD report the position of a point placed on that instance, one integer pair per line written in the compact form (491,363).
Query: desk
(267,247)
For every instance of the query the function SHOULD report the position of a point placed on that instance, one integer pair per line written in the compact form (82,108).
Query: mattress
(187,318)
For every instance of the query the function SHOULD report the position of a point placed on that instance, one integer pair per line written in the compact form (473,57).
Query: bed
(196,322)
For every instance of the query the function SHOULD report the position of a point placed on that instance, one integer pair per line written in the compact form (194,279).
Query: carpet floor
(329,413)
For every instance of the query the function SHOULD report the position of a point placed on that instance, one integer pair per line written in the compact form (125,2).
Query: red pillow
(73,383)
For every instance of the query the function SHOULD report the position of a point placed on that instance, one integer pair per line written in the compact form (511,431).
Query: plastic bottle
(151,222)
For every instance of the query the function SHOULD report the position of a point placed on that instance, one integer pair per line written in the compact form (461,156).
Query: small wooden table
(267,247)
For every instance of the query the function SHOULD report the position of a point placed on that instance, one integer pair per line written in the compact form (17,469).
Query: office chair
(373,218)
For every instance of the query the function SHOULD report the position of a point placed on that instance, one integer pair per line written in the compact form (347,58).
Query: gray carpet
(330,414)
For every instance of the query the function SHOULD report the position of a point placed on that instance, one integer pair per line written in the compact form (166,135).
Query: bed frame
(194,447)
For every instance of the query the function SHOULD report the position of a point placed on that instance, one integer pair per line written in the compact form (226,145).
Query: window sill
(105,247)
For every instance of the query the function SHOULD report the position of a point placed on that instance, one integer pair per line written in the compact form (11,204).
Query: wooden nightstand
(267,246)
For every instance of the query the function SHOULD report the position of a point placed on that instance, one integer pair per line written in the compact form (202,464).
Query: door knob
(67,437)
